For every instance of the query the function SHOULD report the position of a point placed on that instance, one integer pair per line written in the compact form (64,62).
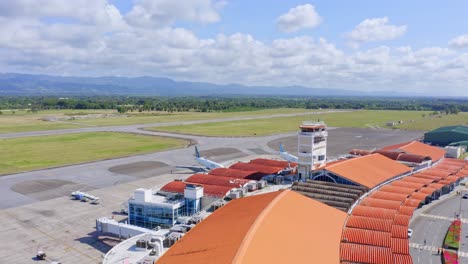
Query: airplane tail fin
(197,154)
(281,147)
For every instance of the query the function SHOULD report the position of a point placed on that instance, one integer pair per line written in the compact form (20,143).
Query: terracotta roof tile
(389,153)
(413,158)
(407,210)
(418,148)
(217,180)
(427,190)
(402,220)
(208,190)
(417,180)
(400,245)
(376,224)
(419,196)
(396,189)
(413,202)
(399,231)
(253,225)
(380,203)
(452,178)
(388,196)
(367,237)
(437,172)
(436,185)
(232,173)
(413,185)
(273,163)
(369,170)
(449,168)
(266,170)
(402,259)
(357,253)
(427,176)
(373,212)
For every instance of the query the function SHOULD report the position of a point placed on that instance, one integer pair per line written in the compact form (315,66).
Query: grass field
(261,127)
(433,122)
(23,154)
(160,117)
(22,121)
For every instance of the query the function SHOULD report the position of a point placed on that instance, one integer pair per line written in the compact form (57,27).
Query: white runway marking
(464,220)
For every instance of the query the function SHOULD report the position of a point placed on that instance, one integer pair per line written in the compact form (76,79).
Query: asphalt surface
(431,222)
(136,128)
(100,174)
(342,140)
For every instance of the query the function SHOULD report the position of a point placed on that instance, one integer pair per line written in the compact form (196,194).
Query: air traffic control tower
(312,147)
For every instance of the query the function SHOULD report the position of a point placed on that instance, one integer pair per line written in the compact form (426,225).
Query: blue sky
(429,22)
(417,46)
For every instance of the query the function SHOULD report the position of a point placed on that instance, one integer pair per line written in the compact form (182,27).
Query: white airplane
(286,155)
(205,163)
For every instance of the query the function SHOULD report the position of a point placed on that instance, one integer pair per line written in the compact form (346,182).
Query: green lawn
(22,121)
(433,122)
(260,127)
(28,153)
(162,117)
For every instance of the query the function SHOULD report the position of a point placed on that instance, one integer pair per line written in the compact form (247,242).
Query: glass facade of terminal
(149,216)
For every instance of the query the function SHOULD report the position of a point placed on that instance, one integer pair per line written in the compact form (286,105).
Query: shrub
(452,238)
(450,257)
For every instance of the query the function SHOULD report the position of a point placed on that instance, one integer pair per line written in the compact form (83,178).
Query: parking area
(65,228)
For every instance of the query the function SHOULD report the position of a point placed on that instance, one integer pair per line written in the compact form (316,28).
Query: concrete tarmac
(100,174)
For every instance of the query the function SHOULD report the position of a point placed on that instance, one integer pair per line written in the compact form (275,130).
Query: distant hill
(28,84)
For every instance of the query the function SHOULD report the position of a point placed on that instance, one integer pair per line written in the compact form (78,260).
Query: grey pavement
(65,228)
(94,175)
(431,223)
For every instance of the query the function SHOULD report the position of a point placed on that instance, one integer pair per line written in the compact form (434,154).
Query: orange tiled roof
(232,173)
(201,178)
(208,190)
(246,230)
(273,163)
(369,170)
(418,148)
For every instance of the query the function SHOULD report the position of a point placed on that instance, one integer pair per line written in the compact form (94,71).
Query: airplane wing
(192,168)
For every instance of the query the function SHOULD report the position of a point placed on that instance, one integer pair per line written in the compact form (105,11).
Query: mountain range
(15,84)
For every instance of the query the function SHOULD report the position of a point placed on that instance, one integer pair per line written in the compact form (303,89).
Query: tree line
(229,104)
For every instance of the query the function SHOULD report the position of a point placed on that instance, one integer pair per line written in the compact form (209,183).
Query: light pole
(459,208)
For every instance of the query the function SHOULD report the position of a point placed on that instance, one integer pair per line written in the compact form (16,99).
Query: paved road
(136,128)
(94,175)
(431,224)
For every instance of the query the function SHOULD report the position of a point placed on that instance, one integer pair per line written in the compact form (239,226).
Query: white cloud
(376,56)
(297,18)
(161,13)
(95,12)
(108,45)
(375,29)
(460,42)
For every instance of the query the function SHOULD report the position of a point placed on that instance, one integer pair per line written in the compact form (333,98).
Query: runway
(100,174)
